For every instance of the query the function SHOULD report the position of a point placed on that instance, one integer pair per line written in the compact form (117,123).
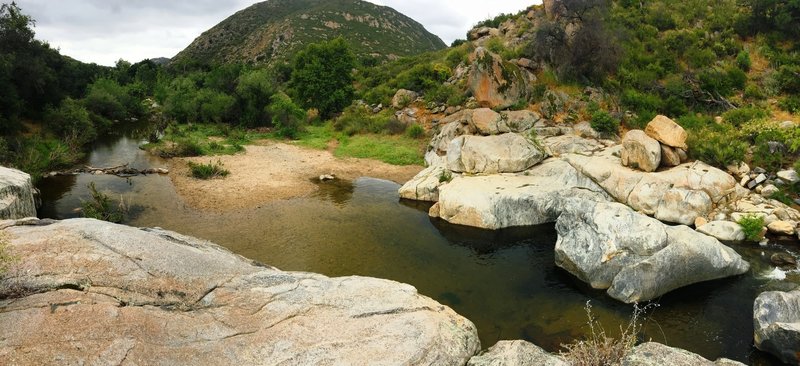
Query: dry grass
(601,350)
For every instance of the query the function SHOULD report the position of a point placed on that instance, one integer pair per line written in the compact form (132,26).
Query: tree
(775,15)
(287,117)
(253,91)
(322,77)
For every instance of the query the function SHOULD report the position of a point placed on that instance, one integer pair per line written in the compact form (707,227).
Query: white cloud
(104,31)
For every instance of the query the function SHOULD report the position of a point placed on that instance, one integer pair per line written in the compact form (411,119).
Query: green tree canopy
(322,77)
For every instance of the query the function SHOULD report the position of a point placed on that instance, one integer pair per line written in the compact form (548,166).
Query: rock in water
(16,195)
(425,185)
(637,258)
(517,353)
(640,151)
(506,153)
(667,132)
(107,293)
(776,320)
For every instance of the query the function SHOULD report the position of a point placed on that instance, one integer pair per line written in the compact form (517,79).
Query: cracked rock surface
(91,292)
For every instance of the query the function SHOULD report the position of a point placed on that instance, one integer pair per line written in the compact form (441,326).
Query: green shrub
(604,123)
(743,60)
(495,45)
(695,121)
(445,176)
(100,207)
(208,171)
(740,116)
(70,119)
(754,92)
(415,131)
(766,156)
(715,147)
(790,104)
(287,117)
(753,226)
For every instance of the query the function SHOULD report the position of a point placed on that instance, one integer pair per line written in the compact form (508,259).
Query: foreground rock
(776,322)
(635,257)
(517,353)
(109,294)
(500,201)
(657,354)
(16,195)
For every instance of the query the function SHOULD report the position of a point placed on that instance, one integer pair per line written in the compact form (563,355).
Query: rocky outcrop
(402,98)
(517,353)
(498,201)
(457,124)
(506,153)
(657,354)
(109,294)
(640,151)
(425,185)
(667,132)
(493,82)
(776,320)
(635,257)
(16,195)
(723,230)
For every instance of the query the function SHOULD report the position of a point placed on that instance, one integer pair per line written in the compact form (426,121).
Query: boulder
(16,195)
(789,176)
(571,144)
(425,185)
(518,121)
(639,151)
(667,132)
(517,353)
(107,293)
(635,257)
(670,156)
(776,323)
(584,129)
(486,121)
(657,354)
(723,230)
(683,206)
(403,98)
(453,126)
(782,227)
(690,257)
(500,201)
(494,83)
(506,153)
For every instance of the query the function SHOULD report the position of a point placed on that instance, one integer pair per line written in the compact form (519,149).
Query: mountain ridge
(273,30)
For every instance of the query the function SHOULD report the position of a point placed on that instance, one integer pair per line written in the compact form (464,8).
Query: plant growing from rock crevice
(753,227)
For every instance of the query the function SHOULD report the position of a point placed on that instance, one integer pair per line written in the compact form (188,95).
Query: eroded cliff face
(16,195)
(92,292)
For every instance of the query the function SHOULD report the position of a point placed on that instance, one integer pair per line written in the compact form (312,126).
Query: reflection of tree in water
(337,191)
(51,190)
(484,242)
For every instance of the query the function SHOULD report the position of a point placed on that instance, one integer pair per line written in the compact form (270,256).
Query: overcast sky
(103,31)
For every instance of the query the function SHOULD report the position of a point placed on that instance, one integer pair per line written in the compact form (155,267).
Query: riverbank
(273,171)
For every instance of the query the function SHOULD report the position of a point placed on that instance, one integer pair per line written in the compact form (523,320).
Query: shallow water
(504,281)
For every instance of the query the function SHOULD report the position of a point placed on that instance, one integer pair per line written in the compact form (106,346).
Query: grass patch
(395,150)
(101,207)
(316,137)
(187,140)
(208,171)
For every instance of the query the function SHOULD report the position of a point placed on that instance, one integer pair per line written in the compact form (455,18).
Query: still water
(504,281)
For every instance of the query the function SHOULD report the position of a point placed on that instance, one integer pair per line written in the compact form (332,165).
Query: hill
(273,30)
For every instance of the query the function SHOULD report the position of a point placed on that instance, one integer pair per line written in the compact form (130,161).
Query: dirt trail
(274,171)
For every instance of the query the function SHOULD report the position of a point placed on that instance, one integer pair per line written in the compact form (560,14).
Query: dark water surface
(504,281)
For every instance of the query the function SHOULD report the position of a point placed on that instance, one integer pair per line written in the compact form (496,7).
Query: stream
(504,281)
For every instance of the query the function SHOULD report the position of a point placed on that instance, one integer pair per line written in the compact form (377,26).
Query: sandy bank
(274,171)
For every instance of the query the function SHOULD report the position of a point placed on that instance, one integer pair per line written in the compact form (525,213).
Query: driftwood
(121,171)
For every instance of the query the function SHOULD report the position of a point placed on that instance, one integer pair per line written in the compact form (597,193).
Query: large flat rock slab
(507,200)
(99,293)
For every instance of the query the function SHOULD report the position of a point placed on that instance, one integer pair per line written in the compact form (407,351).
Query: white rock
(16,195)
(723,230)
(640,151)
(782,227)
(507,153)
(789,176)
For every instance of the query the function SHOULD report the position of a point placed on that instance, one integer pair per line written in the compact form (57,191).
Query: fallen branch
(121,171)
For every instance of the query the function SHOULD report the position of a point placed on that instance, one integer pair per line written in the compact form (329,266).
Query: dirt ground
(274,171)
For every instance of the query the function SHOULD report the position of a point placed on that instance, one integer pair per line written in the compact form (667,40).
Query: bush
(753,226)
(70,119)
(604,123)
(715,147)
(208,171)
(415,131)
(100,207)
(738,117)
(287,117)
(743,60)
(769,150)
(790,104)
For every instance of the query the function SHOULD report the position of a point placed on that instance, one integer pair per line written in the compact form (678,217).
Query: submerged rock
(776,320)
(16,195)
(516,353)
(105,293)
(635,257)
